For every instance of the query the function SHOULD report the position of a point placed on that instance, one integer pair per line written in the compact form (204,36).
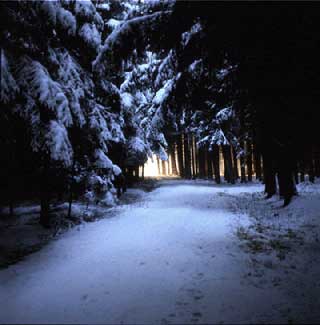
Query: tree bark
(209,163)
(249,159)
(235,164)
(180,156)
(163,167)
(216,163)
(243,166)
(201,163)
(228,172)
(173,159)
(269,175)
(187,156)
(257,161)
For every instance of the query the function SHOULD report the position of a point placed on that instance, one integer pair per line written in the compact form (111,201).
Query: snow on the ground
(284,244)
(172,256)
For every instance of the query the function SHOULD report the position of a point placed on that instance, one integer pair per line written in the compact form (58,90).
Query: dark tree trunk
(187,157)
(163,167)
(235,163)
(216,163)
(225,165)
(201,163)
(180,156)
(249,159)
(196,159)
(269,175)
(243,166)
(173,159)
(285,176)
(136,172)
(193,165)
(229,176)
(209,163)
(158,166)
(257,162)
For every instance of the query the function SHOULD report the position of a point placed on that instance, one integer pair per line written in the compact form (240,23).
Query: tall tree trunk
(285,176)
(269,175)
(173,159)
(249,159)
(216,163)
(158,166)
(193,165)
(229,174)
(257,163)
(180,156)
(235,163)
(196,158)
(187,157)
(209,162)
(201,162)
(243,166)
(163,165)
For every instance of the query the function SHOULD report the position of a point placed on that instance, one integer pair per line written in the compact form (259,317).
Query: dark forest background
(89,90)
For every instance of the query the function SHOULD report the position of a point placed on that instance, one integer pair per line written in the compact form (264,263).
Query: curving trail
(172,257)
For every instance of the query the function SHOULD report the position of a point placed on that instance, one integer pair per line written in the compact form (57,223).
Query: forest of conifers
(91,89)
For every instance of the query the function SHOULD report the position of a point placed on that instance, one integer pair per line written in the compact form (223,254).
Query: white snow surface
(171,257)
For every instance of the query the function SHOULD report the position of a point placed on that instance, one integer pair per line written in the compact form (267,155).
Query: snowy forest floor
(184,252)
(21,234)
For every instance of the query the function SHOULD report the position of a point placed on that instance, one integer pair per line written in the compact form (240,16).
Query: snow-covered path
(171,257)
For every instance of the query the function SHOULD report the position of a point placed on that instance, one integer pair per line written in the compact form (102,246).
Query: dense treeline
(89,90)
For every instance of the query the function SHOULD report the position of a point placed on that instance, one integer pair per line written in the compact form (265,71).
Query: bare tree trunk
(163,165)
(187,157)
(180,156)
(201,162)
(229,176)
(196,158)
(249,159)
(158,166)
(173,159)
(243,166)
(257,164)
(235,163)
(216,163)
(209,163)
(269,175)
(193,169)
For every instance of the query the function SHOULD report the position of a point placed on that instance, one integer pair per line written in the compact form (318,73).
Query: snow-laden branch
(137,26)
